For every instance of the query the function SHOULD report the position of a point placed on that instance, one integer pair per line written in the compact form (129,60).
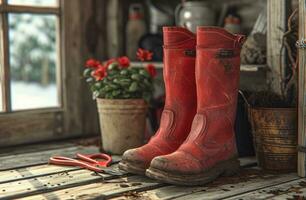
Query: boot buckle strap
(190,52)
(225,53)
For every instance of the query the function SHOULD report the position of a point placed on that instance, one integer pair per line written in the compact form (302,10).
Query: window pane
(33,61)
(33,2)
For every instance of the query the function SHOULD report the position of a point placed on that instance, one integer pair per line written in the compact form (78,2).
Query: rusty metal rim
(293,109)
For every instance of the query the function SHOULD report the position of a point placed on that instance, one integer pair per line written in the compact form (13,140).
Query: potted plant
(122,93)
(273,117)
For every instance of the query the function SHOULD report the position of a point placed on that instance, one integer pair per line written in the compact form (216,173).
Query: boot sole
(225,168)
(131,168)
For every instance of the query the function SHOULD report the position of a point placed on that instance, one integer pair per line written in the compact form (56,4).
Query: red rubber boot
(210,149)
(180,104)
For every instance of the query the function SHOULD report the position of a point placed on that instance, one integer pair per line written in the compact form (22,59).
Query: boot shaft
(180,88)
(217,80)
(217,68)
(179,68)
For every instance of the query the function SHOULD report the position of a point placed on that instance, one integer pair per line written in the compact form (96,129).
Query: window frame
(42,124)
(302,90)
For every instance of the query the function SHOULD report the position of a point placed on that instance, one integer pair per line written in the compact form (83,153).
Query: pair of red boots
(195,142)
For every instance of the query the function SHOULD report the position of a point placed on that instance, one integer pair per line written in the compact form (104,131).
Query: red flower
(124,61)
(92,63)
(152,70)
(100,73)
(110,61)
(144,55)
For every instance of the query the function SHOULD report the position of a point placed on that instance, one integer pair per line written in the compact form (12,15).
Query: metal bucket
(275,138)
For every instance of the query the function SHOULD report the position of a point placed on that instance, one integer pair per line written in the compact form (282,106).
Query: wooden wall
(85,38)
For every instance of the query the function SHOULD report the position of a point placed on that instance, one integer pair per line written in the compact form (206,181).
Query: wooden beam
(302,90)
(114,28)
(71,65)
(94,46)
(5,64)
(30,126)
(276,27)
(29,9)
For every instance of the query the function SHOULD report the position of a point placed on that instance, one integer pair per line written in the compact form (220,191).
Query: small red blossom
(152,70)
(92,63)
(144,55)
(110,61)
(100,73)
(124,61)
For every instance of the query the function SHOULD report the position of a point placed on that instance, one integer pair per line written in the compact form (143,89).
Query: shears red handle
(89,161)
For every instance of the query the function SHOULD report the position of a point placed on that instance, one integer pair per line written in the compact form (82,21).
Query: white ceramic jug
(194,13)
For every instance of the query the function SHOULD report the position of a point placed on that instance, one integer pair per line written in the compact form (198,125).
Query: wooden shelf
(159,65)
(252,68)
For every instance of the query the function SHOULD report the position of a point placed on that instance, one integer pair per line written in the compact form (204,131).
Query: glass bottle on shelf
(136,28)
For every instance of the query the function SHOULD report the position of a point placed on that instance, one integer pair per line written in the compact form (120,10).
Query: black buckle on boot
(190,52)
(225,53)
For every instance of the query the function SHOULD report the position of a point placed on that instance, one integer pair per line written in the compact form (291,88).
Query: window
(30,54)
(37,99)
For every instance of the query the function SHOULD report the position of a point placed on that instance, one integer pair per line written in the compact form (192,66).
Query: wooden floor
(24,173)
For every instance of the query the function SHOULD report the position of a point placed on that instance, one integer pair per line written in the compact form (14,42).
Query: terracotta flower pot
(122,123)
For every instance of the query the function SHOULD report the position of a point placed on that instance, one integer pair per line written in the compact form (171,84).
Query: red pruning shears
(94,162)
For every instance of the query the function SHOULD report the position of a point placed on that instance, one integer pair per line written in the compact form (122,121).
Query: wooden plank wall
(84,39)
(302,89)
(276,19)
(93,38)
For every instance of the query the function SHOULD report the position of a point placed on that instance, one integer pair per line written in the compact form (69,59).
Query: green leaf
(113,86)
(133,87)
(106,88)
(105,81)
(90,79)
(109,96)
(144,73)
(113,66)
(95,94)
(98,85)
(87,72)
(124,72)
(116,80)
(136,77)
(116,93)
(124,82)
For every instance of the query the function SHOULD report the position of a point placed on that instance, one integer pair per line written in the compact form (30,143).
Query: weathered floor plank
(103,190)
(230,190)
(31,180)
(31,186)
(218,190)
(41,157)
(37,171)
(32,172)
(26,175)
(283,191)
(34,148)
